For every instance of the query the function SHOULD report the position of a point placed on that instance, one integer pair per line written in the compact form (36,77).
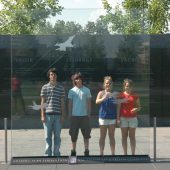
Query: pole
(6,149)
(154,139)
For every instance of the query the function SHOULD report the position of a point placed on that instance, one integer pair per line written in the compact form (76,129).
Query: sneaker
(86,152)
(73,153)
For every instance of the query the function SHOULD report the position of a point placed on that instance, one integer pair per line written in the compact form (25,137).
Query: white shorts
(129,122)
(107,121)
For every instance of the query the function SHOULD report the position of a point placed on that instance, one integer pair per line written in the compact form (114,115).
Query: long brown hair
(127,81)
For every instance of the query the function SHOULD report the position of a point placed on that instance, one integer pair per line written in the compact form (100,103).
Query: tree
(159,15)
(46,29)
(70,27)
(136,16)
(26,16)
(98,27)
(90,28)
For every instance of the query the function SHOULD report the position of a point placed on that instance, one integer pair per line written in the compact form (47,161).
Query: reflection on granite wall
(5,76)
(159,81)
(142,58)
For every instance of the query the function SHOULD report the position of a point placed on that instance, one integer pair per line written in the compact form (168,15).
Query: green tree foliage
(70,27)
(138,16)
(26,16)
(60,27)
(159,15)
(98,27)
(45,29)
(90,28)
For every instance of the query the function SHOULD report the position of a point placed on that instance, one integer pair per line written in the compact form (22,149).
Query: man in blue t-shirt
(79,109)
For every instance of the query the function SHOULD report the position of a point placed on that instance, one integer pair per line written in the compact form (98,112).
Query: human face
(127,87)
(107,84)
(78,82)
(53,77)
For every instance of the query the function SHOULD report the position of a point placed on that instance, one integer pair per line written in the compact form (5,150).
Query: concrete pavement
(30,142)
(116,166)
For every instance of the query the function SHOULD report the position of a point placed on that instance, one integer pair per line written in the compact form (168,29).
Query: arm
(118,114)
(137,107)
(70,107)
(89,106)
(42,109)
(100,98)
(118,109)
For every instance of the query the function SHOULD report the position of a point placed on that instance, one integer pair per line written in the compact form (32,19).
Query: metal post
(154,139)
(6,149)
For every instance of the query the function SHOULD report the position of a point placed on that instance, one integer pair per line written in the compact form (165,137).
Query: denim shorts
(107,121)
(129,122)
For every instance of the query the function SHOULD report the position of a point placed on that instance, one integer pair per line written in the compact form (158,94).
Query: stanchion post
(6,149)
(154,138)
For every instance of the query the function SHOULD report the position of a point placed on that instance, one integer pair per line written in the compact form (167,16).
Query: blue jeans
(52,126)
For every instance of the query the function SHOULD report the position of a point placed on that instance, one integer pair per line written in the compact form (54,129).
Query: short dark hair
(53,70)
(76,76)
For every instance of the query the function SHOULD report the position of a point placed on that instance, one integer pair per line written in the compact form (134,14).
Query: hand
(118,121)
(106,95)
(43,119)
(134,110)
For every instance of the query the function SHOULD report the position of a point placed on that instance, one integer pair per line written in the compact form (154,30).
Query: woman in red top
(128,115)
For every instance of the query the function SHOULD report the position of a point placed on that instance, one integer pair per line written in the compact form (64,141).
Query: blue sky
(86,3)
(82,11)
(81,3)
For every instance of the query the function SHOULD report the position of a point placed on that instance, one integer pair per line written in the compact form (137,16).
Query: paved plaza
(30,142)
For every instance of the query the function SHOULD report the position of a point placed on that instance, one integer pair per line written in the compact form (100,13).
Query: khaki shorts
(129,122)
(107,121)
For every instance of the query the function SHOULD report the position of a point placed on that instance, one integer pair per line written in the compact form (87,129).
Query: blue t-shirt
(108,109)
(79,97)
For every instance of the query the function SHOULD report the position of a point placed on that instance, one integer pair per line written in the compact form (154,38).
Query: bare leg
(124,139)
(103,131)
(74,146)
(132,139)
(111,132)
